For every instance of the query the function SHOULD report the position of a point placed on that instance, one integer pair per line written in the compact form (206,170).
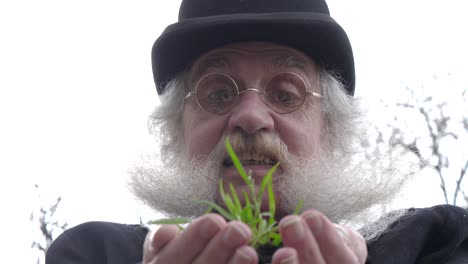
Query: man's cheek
(202,140)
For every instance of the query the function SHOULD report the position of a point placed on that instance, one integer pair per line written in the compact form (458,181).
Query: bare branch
(411,147)
(406,105)
(38,246)
(46,223)
(459,181)
(435,138)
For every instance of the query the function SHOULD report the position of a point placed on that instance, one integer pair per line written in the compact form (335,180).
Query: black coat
(437,235)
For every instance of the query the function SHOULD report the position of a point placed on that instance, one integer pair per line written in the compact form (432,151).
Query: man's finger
(296,234)
(156,240)
(334,242)
(358,244)
(223,246)
(244,255)
(192,241)
(285,255)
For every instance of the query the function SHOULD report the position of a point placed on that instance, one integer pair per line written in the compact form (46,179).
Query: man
(277,77)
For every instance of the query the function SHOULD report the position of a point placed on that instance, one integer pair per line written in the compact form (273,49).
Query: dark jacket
(437,235)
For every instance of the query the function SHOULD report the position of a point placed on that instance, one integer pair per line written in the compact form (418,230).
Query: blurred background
(76,89)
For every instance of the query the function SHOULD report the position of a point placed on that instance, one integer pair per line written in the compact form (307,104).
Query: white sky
(76,89)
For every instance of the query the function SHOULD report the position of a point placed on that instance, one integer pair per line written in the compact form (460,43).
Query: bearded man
(277,78)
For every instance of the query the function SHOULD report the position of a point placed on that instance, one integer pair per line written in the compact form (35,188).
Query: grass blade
(271,194)
(268,179)
(272,203)
(237,203)
(219,209)
(170,221)
(276,239)
(248,215)
(226,198)
(299,206)
(235,160)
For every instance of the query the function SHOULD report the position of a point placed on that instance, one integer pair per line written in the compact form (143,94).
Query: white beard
(174,186)
(334,184)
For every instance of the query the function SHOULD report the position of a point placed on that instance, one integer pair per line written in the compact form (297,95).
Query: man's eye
(284,95)
(220,95)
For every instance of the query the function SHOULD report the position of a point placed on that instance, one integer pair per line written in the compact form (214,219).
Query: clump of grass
(263,225)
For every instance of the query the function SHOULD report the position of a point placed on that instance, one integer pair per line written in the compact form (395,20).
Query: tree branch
(46,223)
(435,137)
(460,179)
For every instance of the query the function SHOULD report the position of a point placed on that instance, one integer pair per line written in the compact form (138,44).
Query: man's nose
(251,114)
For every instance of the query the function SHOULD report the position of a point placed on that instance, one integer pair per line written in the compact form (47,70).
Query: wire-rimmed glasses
(218,93)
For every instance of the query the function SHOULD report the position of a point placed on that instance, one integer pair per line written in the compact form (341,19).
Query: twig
(435,149)
(460,179)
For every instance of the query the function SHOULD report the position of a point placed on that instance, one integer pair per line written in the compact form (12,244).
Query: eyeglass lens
(284,93)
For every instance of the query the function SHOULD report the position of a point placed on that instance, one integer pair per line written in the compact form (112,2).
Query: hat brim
(317,35)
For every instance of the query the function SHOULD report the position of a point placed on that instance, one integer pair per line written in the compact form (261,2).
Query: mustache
(268,144)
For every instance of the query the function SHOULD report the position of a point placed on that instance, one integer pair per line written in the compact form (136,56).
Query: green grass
(263,225)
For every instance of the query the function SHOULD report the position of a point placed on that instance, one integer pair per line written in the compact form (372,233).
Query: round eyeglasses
(218,93)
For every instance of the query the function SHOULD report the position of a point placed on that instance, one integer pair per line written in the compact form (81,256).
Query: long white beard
(334,183)
(175,186)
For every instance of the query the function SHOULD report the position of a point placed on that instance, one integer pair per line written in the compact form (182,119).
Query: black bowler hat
(208,24)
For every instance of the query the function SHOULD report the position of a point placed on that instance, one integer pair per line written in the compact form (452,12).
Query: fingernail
(236,234)
(210,226)
(242,256)
(314,221)
(293,228)
(289,260)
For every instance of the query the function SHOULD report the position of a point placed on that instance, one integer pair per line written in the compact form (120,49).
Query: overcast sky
(76,88)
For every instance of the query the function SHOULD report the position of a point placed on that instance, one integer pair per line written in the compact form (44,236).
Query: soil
(265,253)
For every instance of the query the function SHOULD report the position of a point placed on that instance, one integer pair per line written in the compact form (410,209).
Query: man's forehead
(278,55)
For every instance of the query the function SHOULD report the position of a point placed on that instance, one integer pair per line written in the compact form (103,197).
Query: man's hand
(312,238)
(308,238)
(209,239)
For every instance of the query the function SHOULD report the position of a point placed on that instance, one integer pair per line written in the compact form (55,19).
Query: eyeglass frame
(190,94)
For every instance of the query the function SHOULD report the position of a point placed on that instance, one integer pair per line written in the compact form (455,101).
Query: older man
(277,77)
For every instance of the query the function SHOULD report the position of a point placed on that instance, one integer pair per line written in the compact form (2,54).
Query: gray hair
(341,112)
(166,119)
